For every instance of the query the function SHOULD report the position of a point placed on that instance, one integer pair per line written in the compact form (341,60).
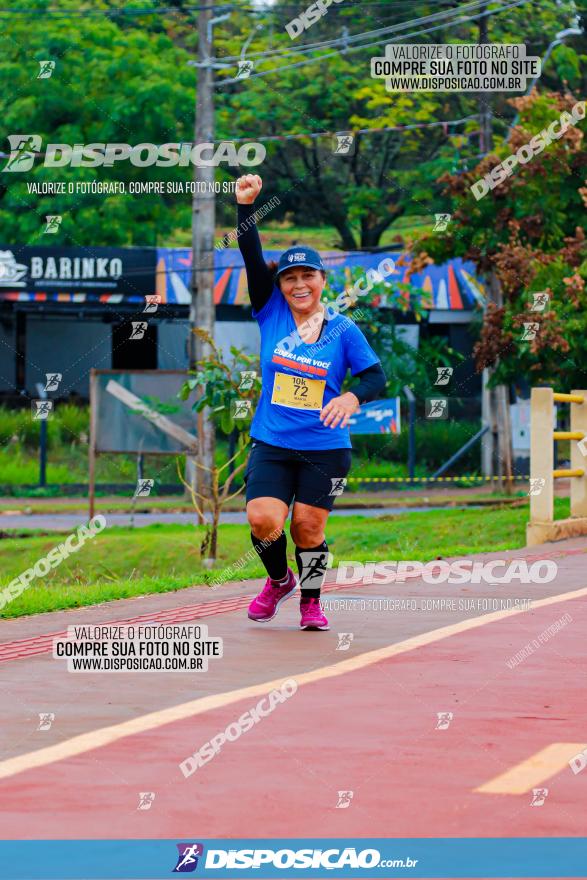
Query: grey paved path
(63,522)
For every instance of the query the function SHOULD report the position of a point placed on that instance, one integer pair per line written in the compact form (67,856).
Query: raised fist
(248,188)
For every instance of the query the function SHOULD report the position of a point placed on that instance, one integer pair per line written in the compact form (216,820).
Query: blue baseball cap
(300,256)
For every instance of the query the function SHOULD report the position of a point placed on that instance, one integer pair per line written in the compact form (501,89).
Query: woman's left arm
(371,385)
(340,409)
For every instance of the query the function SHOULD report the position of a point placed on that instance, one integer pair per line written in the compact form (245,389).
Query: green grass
(388,497)
(122,562)
(279,236)
(373,456)
(68,463)
(20,466)
(67,457)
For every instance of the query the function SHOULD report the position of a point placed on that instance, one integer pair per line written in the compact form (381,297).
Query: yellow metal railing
(542,526)
(567,398)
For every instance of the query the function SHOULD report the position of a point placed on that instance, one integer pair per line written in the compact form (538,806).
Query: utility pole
(497,415)
(202,310)
(487,418)
(488,441)
(485,134)
(496,444)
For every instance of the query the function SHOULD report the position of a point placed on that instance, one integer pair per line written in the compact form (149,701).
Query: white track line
(105,736)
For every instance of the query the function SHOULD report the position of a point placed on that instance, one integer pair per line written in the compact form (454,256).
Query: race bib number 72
(297,392)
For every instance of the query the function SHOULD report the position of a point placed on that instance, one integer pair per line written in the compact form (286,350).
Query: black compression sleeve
(372,382)
(259,278)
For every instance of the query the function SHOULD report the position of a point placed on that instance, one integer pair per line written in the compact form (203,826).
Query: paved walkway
(363,720)
(63,522)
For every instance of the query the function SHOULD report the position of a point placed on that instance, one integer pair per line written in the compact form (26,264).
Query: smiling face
(302,288)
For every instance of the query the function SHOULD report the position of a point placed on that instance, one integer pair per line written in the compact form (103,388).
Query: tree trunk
(213,551)
(202,309)
(499,412)
(504,438)
(347,238)
(371,235)
(487,418)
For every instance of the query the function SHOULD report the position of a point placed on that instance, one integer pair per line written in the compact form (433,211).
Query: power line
(163,10)
(410,127)
(474,4)
(112,10)
(443,123)
(367,34)
(416,33)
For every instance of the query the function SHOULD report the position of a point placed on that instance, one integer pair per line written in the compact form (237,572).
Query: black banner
(67,270)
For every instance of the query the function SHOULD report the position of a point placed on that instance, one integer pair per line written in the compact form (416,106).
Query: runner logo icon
(344,799)
(11,272)
(22,151)
(338,484)
(313,566)
(344,144)
(187,860)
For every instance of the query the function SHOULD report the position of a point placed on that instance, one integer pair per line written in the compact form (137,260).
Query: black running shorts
(309,476)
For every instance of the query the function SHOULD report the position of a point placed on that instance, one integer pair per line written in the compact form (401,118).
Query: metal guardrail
(542,526)
(481,478)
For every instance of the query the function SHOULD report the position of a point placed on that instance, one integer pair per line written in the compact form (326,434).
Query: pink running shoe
(266,605)
(312,615)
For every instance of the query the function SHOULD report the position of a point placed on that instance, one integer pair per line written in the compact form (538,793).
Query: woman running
(301,448)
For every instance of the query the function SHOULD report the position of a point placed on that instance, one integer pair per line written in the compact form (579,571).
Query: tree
(527,231)
(116,79)
(122,75)
(401,362)
(222,388)
(391,173)
(526,237)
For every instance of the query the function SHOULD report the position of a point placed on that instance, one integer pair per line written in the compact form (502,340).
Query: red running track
(19,649)
(371,731)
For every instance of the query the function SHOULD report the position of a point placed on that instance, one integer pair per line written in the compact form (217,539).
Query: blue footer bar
(554,857)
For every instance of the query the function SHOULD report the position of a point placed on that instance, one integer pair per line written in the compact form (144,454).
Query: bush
(17,467)
(435,443)
(73,422)
(10,423)
(65,426)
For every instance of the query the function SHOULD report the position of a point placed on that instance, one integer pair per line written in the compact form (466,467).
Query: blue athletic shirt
(341,346)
